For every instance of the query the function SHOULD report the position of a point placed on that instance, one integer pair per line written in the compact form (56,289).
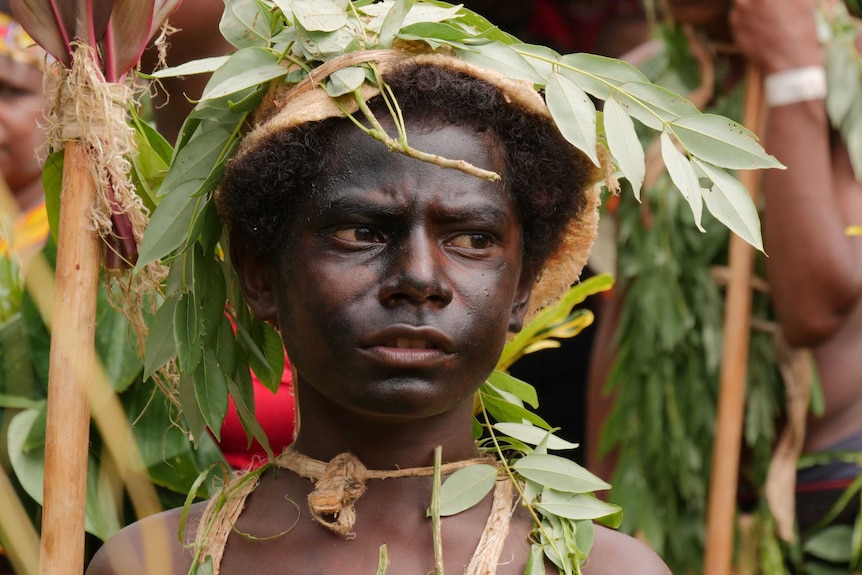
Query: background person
(814,268)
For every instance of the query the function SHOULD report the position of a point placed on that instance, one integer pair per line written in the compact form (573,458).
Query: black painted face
(398,279)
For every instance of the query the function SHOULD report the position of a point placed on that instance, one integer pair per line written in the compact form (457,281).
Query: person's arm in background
(815,269)
(198,37)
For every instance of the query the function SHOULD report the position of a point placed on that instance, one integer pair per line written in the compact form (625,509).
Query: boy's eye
(9,92)
(471,241)
(359,234)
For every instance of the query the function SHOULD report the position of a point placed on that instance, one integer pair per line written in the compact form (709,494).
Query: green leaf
(168,227)
(721,141)
(831,544)
(17,402)
(244,24)
(325,45)
(116,345)
(571,326)
(683,176)
(266,352)
(499,57)
(246,68)
(558,473)
(318,15)
(35,439)
(465,488)
(510,384)
(596,74)
(382,560)
(191,410)
(574,113)
(422,13)
(102,519)
(844,86)
(653,105)
(551,316)
(856,545)
(624,144)
(393,22)
(187,179)
(150,163)
(731,204)
(541,58)
(552,537)
(29,465)
(502,410)
(536,561)
(166,451)
(424,31)
(345,81)
(852,130)
(202,66)
(52,184)
(244,403)
(210,295)
(211,391)
(576,506)
(226,347)
(533,435)
(186,333)
(585,533)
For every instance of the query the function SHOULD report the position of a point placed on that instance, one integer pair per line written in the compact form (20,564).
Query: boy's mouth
(406,343)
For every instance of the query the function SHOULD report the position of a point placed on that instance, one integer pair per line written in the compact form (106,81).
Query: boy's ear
(522,300)
(255,276)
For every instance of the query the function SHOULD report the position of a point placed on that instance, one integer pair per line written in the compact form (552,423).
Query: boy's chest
(388,539)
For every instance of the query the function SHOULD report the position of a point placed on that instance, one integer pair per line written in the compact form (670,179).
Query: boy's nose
(417,274)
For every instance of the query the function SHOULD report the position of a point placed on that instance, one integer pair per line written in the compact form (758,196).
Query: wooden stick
(70,370)
(721,511)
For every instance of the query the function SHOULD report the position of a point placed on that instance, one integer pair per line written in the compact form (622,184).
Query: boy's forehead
(362,174)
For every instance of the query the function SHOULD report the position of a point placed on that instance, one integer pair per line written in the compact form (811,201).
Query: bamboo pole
(721,510)
(69,372)
(17,533)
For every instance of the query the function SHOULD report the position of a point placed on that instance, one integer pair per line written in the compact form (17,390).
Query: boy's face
(398,280)
(21,106)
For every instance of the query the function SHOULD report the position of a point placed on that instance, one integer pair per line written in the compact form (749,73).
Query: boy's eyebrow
(350,204)
(489,212)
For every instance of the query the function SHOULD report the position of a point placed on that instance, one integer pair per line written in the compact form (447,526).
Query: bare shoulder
(151,545)
(614,553)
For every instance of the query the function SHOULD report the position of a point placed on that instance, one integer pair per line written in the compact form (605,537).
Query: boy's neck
(382,444)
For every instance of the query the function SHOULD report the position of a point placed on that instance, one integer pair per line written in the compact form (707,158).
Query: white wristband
(795,85)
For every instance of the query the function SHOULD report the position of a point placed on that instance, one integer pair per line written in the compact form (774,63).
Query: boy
(394,282)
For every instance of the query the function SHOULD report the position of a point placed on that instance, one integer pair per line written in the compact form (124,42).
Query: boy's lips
(407,346)
(409,337)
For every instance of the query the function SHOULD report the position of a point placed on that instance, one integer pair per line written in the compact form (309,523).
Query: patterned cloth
(27,234)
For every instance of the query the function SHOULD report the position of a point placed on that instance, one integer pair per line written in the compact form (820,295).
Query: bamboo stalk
(17,533)
(69,372)
(16,530)
(721,509)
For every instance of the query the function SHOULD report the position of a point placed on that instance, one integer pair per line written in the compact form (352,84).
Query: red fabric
(276,415)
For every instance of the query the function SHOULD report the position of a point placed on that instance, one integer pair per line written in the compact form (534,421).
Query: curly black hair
(543,174)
